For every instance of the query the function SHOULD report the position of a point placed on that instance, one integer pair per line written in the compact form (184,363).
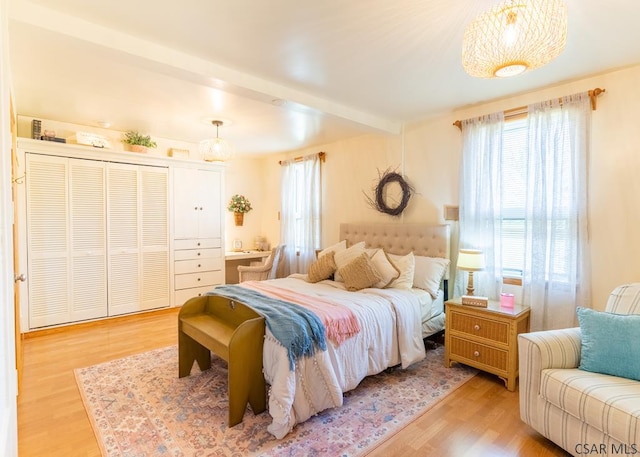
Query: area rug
(139,407)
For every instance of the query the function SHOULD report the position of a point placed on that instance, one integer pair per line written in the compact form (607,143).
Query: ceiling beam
(180,65)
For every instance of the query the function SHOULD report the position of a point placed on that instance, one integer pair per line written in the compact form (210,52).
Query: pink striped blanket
(339,321)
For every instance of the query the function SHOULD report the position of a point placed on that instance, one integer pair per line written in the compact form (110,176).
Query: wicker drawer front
(479,353)
(483,328)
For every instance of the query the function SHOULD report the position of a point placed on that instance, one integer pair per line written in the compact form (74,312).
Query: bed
(391,322)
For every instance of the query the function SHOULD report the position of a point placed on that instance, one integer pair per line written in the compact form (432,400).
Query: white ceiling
(344,67)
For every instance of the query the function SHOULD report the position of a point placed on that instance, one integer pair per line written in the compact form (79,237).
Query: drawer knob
(198,279)
(200,208)
(196,208)
(476,354)
(198,243)
(199,265)
(476,327)
(198,253)
(200,295)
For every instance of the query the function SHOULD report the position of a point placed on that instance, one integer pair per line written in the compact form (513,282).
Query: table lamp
(470,260)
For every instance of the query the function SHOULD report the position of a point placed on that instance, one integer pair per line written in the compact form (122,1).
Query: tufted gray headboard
(400,239)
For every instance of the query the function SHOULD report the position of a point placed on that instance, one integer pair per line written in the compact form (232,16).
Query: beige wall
(429,154)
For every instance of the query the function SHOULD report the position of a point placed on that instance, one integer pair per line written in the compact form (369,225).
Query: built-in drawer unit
(198,267)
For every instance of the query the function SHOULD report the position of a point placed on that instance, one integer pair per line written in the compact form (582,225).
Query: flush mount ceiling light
(513,37)
(216,149)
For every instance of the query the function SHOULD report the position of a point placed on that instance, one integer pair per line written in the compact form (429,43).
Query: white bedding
(391,334)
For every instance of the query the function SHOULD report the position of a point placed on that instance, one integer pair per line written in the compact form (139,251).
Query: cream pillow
(406,265)
(322,268)
(429,273)
(340,246)
(387,270)
(359,273)
(347,255)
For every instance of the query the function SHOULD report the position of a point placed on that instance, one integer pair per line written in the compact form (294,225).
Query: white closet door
(210,193)
(186,201)
(123,238)
(88,239)
(47,240)
(154,199)
(66,240)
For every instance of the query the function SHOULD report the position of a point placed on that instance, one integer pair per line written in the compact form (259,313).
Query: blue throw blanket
(299,330)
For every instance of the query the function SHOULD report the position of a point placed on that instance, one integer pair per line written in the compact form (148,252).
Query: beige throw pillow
(340,246)
(359,273)
(322,268)
(387,270)
(429,273)
(347,255)
(406,264)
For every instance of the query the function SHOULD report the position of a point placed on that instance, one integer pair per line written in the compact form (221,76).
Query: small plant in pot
(138,142)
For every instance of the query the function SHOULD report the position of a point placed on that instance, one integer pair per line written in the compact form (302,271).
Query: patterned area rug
(139,407)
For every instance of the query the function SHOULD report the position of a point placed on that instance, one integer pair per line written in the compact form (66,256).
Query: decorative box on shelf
(89,139)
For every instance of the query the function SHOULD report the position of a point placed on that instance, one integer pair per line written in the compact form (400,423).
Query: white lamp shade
(216,150)
(470,260)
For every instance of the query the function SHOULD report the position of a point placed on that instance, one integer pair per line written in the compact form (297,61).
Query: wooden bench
(234,332)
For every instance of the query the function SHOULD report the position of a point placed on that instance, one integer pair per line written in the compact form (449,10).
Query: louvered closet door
(123,238)
(88,239)
(138,238)
(154,200)
(66,240)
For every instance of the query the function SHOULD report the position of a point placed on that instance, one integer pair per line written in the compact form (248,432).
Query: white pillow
(344,256)
(340,246)
(387,270)
(429,273)
(407,265)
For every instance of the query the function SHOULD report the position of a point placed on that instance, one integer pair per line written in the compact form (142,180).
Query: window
(301,212)
(514,141)
(558,208)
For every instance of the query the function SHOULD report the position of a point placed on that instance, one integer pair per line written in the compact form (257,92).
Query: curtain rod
(321,155)
(522,110)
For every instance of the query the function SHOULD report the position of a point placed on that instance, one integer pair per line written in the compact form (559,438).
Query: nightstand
(485,338)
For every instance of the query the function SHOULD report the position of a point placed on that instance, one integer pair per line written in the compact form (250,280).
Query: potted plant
(138,142)
(239,204)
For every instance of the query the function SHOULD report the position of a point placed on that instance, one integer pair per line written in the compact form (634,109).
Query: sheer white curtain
(556,276)
(480,200)
(300,212)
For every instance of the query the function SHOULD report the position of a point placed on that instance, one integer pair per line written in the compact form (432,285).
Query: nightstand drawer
(477,353)
(477,326)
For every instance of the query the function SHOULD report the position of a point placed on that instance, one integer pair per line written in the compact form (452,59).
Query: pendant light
(216,149)
(513,37)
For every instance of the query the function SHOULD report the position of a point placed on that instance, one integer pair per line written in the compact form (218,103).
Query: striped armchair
(580,411)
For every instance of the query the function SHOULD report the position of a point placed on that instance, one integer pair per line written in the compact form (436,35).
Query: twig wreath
(380,203)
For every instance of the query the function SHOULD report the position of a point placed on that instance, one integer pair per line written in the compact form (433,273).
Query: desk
(232,259)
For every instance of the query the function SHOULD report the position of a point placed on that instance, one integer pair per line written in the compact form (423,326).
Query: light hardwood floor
(479,419)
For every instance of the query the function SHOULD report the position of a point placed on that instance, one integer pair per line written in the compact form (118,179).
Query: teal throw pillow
(610,343)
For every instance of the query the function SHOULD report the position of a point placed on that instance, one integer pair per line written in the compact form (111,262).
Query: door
(138,238)
(66,240)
